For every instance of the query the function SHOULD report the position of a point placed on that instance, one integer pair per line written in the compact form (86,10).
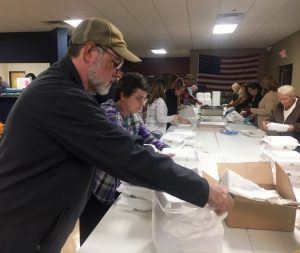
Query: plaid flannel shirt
(105,185)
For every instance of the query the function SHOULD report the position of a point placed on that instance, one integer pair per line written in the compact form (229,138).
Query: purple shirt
(105,185)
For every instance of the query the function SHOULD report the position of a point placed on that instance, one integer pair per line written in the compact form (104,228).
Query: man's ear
(89,52)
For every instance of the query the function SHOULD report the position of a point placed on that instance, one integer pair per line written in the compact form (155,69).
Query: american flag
(219,73)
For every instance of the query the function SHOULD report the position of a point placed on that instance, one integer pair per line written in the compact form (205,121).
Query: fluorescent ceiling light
(159,51)
(73,22)
(226,28)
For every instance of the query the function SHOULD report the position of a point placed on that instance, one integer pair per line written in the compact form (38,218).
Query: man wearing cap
(56,134)
(187,97)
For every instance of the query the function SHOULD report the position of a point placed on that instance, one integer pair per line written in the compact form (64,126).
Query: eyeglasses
(285,98)
(118,63)
(141,99)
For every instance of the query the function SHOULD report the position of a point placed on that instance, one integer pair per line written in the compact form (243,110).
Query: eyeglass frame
(117,64)
(288,97)
(140,99)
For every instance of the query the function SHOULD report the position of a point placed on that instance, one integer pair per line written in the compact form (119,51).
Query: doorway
(13,75)
(285,74)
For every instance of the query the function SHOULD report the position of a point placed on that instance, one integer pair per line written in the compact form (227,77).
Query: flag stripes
(219,73)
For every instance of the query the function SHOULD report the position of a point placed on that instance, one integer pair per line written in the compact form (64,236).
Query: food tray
(277,127)
(281,142)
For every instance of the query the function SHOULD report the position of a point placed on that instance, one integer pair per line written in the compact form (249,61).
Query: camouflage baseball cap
(105,34)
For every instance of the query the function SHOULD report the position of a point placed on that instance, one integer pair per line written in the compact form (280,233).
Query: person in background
(173,99)
(238,98)
(31,76)
(42,193)
(157,111)
(254,90)
(235,88)
(189,80)
(188,96)
(3,85)
(170,78)
(193,89)
(268,102)
(254,97)
(123,111)
(286,112)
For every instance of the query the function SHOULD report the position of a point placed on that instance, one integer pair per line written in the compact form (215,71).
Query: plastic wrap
(179,227)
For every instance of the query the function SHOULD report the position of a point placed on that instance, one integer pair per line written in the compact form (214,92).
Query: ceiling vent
(230,18)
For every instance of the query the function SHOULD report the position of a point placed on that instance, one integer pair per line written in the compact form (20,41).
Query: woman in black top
(254,97)
(173,97)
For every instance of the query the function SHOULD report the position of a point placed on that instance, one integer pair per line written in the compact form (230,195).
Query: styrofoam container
(284,156)
(177,137)
(136,191)
(207,101)
(207,95)
(277,127)
(182,154)
(200,95)
(173,138)
(281,142)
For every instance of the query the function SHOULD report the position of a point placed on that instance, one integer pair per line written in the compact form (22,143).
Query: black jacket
(54,135)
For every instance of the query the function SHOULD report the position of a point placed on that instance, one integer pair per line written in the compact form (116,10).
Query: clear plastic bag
(185,228)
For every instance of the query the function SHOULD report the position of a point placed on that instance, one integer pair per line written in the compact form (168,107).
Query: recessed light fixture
(73,22)
(159,51)
(224,28)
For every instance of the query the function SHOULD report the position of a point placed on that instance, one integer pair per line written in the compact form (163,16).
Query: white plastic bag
(184,228)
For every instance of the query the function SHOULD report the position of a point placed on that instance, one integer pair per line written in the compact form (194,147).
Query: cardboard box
(257,214)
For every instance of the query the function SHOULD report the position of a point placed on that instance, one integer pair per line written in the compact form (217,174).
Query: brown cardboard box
(256,214)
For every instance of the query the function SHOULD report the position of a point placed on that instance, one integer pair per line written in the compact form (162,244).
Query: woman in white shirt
(157,119)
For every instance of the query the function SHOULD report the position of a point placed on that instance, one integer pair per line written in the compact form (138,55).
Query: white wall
(35,68)
(291,44)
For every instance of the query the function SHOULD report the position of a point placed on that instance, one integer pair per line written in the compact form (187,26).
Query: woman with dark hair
(253,91)
(31,76)
(157,111)
(173,98)
(123,111)
(268,102)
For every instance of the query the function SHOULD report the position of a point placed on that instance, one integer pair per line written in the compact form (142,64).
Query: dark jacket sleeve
(77,123)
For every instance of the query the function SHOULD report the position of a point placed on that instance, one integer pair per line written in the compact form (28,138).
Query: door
(285,74)
(13,75)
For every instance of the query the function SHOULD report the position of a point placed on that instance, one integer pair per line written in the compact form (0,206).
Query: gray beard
(103,90)
(97,84)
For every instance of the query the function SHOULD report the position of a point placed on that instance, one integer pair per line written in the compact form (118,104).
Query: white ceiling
(176,25)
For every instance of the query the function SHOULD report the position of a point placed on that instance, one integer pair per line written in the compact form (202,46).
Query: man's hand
(264,124)
(219,198)
(291,128)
